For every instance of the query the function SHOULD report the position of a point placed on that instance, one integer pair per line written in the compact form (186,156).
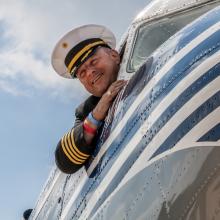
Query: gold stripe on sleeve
(75,148)
(72,149)
(69,151)
(67,154)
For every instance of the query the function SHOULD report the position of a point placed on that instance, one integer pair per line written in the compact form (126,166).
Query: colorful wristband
(89,129)
(93,120)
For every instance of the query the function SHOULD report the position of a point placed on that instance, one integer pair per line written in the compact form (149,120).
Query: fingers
(118,83)
(115,87)
(102,107)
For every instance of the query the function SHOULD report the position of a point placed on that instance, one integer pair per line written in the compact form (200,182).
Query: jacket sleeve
(72,151)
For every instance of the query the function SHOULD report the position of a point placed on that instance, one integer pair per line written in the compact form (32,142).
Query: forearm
(72,151)
(76,146)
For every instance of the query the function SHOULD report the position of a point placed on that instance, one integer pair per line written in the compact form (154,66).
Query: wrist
(94,120)
(88,128)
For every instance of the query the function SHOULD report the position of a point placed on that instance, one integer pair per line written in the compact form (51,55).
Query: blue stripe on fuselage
(200,113)
(164,86)
(173,108)
(146,107)
(115,148)
(212,135)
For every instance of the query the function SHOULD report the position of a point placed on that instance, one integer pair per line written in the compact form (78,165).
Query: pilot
(86,53)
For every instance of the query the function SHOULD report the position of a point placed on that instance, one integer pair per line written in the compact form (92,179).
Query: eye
(94,61)
(81,74)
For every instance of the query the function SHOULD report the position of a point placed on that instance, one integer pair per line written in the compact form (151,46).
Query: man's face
(99,71)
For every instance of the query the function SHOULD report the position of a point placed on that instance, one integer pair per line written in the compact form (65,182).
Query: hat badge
(64,45)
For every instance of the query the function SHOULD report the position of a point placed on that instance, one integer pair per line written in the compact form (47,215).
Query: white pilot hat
(77,46)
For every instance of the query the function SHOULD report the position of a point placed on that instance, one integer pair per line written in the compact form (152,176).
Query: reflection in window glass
(151,36)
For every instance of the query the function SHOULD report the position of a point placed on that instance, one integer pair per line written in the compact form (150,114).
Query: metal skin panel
(159,8)
(181,185)
(157,148)
(208,47)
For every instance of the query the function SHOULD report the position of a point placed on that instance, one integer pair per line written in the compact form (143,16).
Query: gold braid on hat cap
(80,53)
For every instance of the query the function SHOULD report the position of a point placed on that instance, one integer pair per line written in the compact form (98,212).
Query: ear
(115,55)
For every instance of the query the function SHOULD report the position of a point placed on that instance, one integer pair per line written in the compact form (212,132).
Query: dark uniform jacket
(72,150)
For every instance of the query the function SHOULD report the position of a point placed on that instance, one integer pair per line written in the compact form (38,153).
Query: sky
(37,105)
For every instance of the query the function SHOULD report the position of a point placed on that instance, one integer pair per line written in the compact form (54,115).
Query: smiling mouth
(97,78)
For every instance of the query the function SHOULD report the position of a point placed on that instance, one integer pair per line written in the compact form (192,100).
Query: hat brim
(72,38)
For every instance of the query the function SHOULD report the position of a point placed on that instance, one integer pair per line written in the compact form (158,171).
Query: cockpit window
(150,36)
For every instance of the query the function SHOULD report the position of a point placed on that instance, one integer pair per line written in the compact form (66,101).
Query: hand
(101,109)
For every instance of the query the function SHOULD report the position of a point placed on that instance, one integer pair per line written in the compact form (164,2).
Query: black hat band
(78,54)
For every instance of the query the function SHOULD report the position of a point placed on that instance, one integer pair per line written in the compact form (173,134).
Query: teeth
(99,75)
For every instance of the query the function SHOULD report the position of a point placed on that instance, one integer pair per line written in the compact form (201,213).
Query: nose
(90,72)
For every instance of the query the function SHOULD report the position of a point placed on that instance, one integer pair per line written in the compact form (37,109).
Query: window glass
(151,35)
